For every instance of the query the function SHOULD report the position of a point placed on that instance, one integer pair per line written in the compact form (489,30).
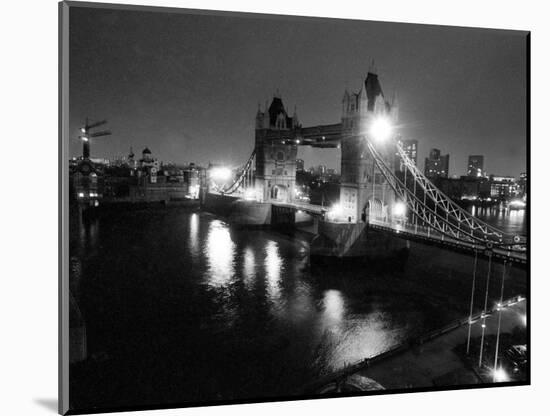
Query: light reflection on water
(353,337)
(249,267)
(273,269)
(341,335)
(254,289)
(194,234)
(220,254)
(509,221)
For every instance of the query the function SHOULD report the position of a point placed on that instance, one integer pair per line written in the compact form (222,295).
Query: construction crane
(87,135)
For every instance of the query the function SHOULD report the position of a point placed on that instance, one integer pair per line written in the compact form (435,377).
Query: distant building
(410,147)
(299,165)
(475,166)
(464,188)
(522,184)
(131,159)
(436,165)
(503,187)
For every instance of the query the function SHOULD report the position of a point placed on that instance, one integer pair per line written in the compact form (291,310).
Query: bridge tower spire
(363,191)
(276,151)
(372,67)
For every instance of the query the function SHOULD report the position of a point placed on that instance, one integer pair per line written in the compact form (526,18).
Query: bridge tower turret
(276,151)
(364,192)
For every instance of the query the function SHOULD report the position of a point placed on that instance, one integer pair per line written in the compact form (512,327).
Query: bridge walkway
(423,233)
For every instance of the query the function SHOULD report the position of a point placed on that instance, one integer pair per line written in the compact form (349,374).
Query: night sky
(188,86)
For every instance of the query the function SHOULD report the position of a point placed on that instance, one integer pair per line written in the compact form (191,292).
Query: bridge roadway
(426,234)
(421,233)
(302,206)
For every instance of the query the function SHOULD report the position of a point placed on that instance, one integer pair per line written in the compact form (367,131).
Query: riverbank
(440,359)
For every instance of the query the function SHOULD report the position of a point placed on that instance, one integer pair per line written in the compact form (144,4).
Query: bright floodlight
(335,212)
(399,209)
(220,174)
(250,194)
(517,203)
(499,375)
(381,129)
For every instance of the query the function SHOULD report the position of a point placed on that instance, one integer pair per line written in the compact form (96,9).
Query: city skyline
(191,82)
(251,276)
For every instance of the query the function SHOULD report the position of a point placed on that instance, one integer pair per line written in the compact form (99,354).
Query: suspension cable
(400,190)
(472,302)
(484,316)
(499,319)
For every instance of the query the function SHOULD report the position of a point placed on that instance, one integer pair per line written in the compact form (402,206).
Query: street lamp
(335,212)
(399,209)
(381,129)
(499,375)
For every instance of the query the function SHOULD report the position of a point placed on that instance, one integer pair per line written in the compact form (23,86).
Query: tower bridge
(377,210)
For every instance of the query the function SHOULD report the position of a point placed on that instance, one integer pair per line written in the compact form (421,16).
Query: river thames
(179,306)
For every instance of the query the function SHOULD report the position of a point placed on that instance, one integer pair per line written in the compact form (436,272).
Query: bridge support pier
(356,241)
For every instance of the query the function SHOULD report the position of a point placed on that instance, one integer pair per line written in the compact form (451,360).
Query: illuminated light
(483,325)
(84,138)
(250,194)
(194,191)
(96,203)
(334,307)
(381,129)
(81,194)
(499,375)
(220,173)
(517,203)
(297,141)
(83,129)
(524,319)
(399,209)
(335,212)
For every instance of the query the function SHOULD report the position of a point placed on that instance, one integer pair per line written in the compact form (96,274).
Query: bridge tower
(364,192)
(276,149)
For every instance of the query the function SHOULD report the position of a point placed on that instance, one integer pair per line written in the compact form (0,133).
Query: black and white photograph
(265,207)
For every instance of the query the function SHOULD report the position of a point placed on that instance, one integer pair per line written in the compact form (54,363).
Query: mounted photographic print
(263,208)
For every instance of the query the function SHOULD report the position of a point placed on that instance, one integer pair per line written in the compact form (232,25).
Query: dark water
(513,222)
(181,307)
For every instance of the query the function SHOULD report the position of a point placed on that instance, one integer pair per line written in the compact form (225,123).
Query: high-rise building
(410,147)
(475,166)
(436,165)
